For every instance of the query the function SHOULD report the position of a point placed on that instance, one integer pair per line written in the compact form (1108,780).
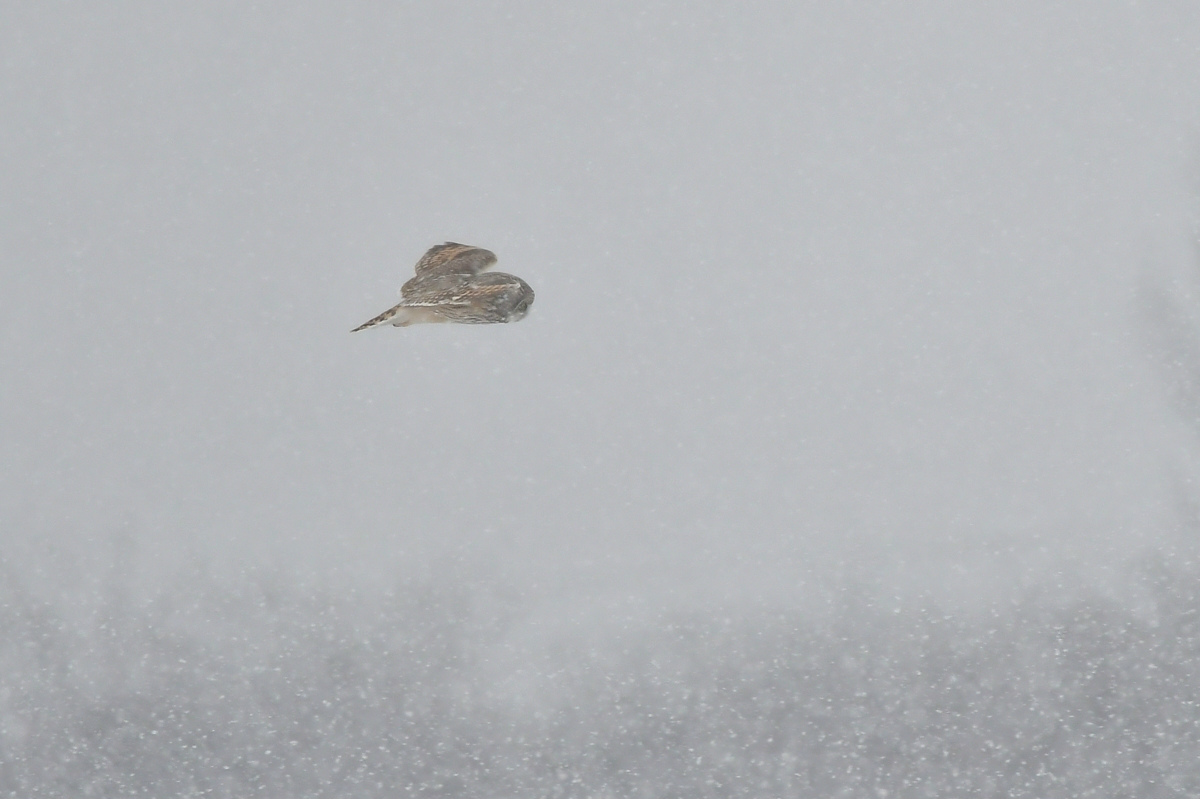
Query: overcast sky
(816,284)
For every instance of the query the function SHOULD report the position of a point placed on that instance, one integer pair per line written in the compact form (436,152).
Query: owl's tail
(383,319)
(399,316)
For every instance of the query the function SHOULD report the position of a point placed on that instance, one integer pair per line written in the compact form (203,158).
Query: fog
(841,312)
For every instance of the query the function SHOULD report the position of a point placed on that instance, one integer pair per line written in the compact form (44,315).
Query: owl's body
(450,286)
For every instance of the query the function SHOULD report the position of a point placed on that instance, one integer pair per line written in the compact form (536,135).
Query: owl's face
(520,296)
(520,310)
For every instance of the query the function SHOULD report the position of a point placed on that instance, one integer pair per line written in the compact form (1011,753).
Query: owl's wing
(437,290)
(461,291)
(454,259)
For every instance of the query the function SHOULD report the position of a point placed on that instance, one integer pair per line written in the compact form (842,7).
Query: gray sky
(816,284)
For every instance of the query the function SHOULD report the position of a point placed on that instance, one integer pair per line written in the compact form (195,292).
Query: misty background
(811,283)
(831,299)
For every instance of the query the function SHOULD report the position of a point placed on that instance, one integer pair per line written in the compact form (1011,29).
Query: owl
(451,286)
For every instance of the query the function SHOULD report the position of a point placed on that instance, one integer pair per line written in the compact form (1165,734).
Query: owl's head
(520,310)
(521,307)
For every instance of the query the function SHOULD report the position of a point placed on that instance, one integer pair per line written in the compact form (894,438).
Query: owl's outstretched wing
(466,299)
(454,259)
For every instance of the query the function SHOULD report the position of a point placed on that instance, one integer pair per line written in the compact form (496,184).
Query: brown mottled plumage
(450,287)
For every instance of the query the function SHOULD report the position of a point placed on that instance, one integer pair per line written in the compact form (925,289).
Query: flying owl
(451,286)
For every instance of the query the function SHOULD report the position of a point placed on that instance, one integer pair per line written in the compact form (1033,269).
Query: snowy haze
(837,457)
(817,284)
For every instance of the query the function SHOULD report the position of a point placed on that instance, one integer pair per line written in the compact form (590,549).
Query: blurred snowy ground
(261,687)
